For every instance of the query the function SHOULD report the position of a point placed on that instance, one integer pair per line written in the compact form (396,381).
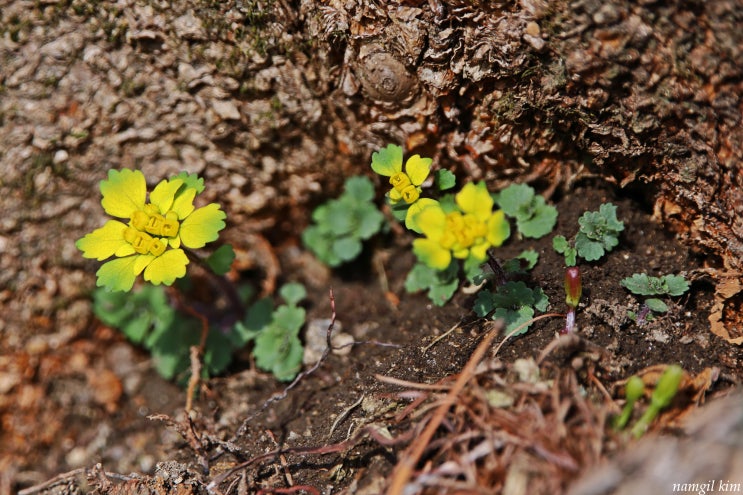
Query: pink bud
(573,286)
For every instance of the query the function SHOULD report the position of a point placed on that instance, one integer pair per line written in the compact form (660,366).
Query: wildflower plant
(154,231)
(276,333)
(341,225)
(642,284)
(512,301)
(153,234)
(598,234)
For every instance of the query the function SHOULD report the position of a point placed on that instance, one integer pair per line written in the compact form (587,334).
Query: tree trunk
(276,102)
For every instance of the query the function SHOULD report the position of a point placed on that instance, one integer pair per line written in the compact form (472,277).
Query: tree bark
(276,102)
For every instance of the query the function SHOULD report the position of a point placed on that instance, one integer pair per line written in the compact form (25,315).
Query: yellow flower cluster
(168,220)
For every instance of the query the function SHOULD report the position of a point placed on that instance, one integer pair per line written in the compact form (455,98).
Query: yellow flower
(405,185)
(167,221)
(468,231)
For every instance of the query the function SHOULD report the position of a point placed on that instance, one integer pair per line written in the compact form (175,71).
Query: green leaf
(484,303)
(192,181)
(218,352)
(639,283)
(278,351)
(440,284)
(339,220)
(513,294)
(370,222)
(656,305)
(292,293)
(587,249)
(560,244)
(170,346)
(221,260)
(515,200)
(387,161)
(541,301)
(399,210)
(644,285)
(346,248)
(525,261)
(257,317)
(359,188)
(515,318)
(444,180)
(541,222)
(289,318)
(676,285)
(599,232)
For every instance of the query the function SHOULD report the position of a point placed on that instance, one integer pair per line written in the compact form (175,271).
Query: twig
(442,336)
(405,383)
(62,478)
(193,381)
(282,459)
(344,414)
(325,449)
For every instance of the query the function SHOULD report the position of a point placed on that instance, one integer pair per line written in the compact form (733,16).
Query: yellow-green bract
(151,240)
(405,185)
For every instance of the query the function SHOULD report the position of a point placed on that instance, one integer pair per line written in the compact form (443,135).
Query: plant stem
(238,309)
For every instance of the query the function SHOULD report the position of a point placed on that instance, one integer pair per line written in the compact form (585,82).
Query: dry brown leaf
(726,319)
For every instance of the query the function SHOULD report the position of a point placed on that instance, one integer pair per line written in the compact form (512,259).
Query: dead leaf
(726,319)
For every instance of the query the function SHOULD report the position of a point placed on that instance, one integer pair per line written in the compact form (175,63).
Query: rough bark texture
(276,102)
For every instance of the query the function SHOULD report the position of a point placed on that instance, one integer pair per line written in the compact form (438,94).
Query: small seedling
(633,390)
(665,391)
(598,234)
(534,217)
(514,302)
(642,284)
(341,225)
(573,291)
(277,345)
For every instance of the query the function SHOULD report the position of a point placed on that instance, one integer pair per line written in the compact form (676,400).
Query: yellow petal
(124,192)
(431,253)
(167,267)
(498,228)
(418,169)
(415,208)
(431,221)
(105,242)
(183,204)
(202,226)
(475,199)
(164,193)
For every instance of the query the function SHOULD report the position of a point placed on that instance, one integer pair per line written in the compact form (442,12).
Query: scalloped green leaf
(388,160)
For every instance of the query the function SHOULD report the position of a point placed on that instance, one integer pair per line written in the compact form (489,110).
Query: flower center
(143,243)
(462,231)
(152,222)
(402,184)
